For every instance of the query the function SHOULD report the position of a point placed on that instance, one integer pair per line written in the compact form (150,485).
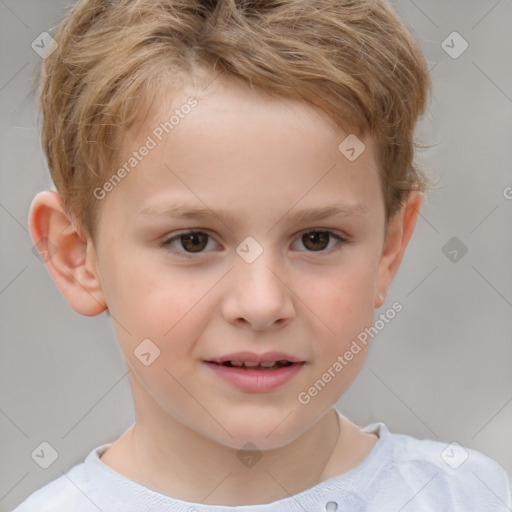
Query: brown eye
(194,242)
(319,240)
(316,240)
(190,241)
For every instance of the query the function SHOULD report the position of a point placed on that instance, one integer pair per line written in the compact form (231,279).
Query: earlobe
(400,232)
(65,254)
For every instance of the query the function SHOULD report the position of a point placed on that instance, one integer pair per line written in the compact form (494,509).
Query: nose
(258,294)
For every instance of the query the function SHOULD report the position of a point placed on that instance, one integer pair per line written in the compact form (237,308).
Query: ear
(400,230)
(70,259)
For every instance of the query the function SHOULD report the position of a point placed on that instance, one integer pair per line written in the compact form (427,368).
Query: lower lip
(255,380)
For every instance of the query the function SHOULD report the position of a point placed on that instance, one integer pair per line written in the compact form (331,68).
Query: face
(255,272)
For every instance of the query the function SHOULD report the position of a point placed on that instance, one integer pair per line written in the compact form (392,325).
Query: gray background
(439,370)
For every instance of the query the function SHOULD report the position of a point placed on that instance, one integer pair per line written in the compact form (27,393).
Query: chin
(267,430)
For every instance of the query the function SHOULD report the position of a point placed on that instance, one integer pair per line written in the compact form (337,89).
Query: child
(280,135)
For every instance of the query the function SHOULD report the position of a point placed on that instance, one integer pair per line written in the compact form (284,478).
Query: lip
(255,380)
(252,357)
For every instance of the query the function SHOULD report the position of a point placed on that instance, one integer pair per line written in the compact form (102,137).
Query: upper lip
(252,357)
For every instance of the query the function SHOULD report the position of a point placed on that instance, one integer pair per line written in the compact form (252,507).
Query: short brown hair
(354,59)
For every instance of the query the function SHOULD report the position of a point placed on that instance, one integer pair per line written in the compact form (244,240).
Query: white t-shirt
(401,473)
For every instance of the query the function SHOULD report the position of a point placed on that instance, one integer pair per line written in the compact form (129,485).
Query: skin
(262,158)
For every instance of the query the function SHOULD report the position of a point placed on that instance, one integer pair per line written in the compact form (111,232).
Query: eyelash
(341,242)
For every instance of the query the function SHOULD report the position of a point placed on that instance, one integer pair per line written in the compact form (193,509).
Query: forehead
(225,143)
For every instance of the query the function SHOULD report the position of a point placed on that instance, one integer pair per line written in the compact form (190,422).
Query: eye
(192,241)
(317,240)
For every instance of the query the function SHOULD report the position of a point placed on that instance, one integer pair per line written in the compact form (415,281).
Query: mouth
(253,360)
(255,373)
(247,365)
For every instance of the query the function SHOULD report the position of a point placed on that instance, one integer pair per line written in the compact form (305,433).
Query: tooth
(268,365)
(250,365)
(236,363)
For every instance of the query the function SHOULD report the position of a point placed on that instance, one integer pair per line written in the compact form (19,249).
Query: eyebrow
(228,217)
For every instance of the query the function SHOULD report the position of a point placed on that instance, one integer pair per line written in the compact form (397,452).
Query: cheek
(160,314)
(150,301)
(345,307)
(146,293)
(344,299)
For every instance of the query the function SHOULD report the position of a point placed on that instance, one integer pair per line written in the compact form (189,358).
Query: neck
(185,465)
(168,457)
